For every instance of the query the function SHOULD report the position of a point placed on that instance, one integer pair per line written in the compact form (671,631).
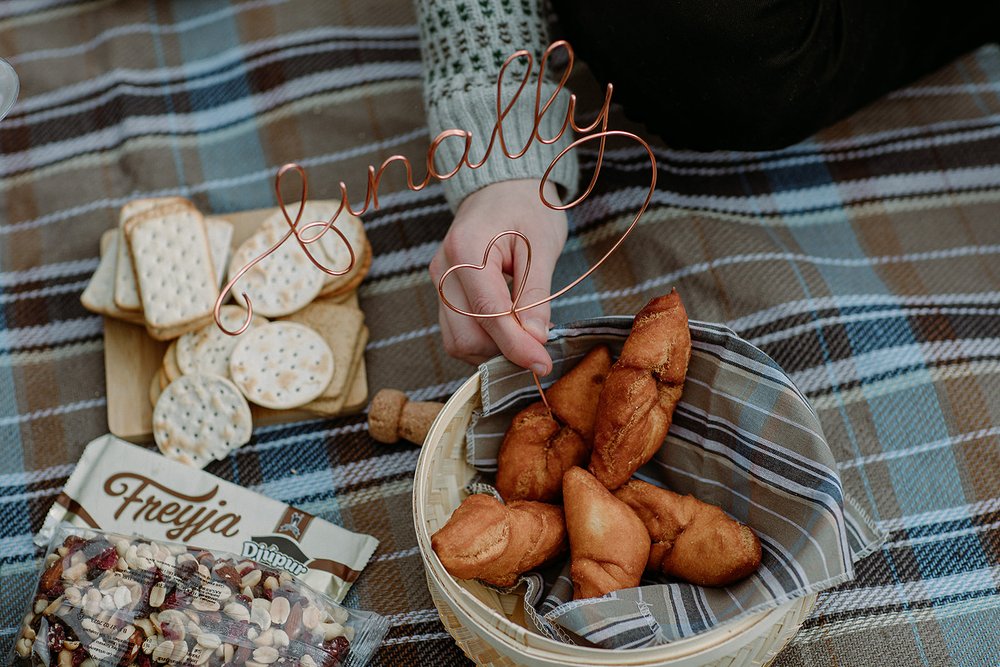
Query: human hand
(481,216)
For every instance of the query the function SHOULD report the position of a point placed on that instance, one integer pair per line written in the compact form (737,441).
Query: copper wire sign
(597,131)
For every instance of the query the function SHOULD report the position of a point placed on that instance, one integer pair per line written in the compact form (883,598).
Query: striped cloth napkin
(744,438)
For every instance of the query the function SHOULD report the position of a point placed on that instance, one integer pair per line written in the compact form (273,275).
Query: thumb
(536,327)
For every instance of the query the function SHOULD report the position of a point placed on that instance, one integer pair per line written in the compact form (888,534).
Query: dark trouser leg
(761,74)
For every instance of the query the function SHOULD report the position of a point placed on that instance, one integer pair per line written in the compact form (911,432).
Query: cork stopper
(392,416)
(384,413)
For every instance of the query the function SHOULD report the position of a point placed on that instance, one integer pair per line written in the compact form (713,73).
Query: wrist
(474,111)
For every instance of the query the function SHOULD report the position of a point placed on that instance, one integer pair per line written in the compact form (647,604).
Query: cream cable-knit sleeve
(464,43)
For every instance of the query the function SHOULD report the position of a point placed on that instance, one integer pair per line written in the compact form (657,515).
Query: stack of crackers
(303,351)
(162,267)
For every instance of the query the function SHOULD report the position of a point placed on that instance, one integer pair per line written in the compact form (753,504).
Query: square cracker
(169,333)
(357,397)
(220,240)
(126,291)
(346,299)
(173,266)
(99,295)
(340,327)
(355,394)
(109,237)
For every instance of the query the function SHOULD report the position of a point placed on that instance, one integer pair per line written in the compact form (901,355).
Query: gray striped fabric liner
(744,438)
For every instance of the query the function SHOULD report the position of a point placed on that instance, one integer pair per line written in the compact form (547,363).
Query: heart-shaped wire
(515,295)
(515,309)
(301,239)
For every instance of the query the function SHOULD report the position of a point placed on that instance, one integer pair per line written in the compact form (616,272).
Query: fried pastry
(539,447)
(495,543)
(574,396)
(639,395)
(692,540)
(608,544)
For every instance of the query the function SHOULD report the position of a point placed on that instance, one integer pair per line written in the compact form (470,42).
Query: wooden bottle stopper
(391,416)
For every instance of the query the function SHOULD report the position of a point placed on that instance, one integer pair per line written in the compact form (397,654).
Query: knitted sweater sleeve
(464,43)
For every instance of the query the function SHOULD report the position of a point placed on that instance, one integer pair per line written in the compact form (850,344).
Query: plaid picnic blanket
(863,261)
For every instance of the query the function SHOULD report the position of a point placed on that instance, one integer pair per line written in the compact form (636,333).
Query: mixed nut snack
(105,599)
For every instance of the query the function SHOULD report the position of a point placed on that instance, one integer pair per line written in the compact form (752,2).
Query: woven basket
(491,627)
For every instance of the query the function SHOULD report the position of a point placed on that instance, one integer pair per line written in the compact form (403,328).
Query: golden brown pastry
(487,540)
(539,447)
(608,544)
(641,391)
(574,396)
(692,540)
(535,453)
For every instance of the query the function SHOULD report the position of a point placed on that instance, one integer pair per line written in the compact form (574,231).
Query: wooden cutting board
(132,358)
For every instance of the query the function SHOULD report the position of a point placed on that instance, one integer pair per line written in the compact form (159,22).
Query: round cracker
(281,283)
(335,255)
(170,368)
(281,365)
(353,278)
(335,250)
(199,418)
(186,345)
(154,388)
(207,350)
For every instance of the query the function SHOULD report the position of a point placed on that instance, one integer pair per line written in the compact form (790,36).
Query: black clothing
(762,74)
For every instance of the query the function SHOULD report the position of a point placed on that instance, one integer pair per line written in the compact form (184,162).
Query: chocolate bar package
(124,488)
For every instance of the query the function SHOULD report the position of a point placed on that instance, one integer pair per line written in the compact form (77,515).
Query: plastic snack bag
(107,599)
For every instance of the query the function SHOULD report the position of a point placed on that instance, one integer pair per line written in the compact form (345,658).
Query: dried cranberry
(337,648)
(105,560)
(245,600)
(73,543)
(79,655)
(171,601)
(143,660)
(55,638)
(343,646)
(267,594)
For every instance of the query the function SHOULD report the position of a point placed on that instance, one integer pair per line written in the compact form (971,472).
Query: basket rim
(515,636)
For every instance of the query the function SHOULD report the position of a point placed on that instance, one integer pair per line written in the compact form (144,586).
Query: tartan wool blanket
(863,261)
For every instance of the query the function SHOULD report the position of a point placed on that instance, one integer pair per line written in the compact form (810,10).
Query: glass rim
(9,87)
